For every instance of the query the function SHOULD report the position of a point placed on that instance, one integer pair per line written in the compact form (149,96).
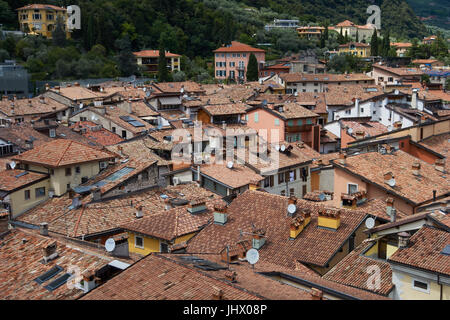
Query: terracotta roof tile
(236,177)
(424,251)
(27,107)
(353,271)
(159,278)
(97,134)
(11,180)
(153,54)
(312,246)
(373,165)
(62,152)
(238,47)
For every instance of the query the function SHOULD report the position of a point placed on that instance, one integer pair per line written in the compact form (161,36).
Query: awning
(165,101)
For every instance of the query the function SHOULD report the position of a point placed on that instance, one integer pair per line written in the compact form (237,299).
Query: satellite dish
(321,197)
(252,256)
(110,245)
(230,164)
(292,208)
(12,164)
(350,130)
(283,148)
(390,128)
(391,182)
(277,147)
(370,223)
(182,90)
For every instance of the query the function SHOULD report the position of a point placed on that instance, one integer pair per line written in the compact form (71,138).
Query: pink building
(231,61)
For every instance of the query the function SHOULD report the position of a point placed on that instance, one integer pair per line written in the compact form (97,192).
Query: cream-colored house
(21,190)
(68,163)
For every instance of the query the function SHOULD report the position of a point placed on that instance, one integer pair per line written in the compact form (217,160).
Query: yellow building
(68,163)
(160,231)
(21,190)
(361,50)
(40,19)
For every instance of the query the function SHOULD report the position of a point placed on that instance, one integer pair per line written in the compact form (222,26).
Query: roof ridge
(64,152)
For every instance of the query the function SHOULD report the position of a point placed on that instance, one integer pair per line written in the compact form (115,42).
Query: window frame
(135,242)
(413,280)
(39,195)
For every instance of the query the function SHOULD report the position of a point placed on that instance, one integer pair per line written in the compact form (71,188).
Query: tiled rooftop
(236,177)
(157,277)
(29,107)
(21,253)
(226,109)
(60,152)
(96,134)
(269,212)
(353,271)
(425,251)
(10,180)
(373,165)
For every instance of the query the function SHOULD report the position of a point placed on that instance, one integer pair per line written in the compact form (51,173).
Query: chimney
(439,165)
(231,276)
(316,294)
(342,157)
(57,89)
(390,207)
(89,280)
(47,87)
(96,193)
(329,218)
(258,239)
(4,98)
(416,168)
(139,212)
(76,84)
(42,99)
(128,105)
(359,134)
(197,206)
(398,125)
(217,294)
(43,229)
(30,104)
(220,214)
(76,203)
(14,97)
(297,225)
(49,252)
(403,240)
(388,176)
(414,99)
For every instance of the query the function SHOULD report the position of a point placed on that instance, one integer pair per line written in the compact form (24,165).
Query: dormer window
(52,133)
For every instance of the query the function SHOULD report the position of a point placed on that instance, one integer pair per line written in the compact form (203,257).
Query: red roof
(238,47)
(153,54)
(42,6)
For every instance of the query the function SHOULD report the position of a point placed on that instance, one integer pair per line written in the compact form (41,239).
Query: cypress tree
(59,35)
(252,68)
(374,44)
(163,74)
(357,35)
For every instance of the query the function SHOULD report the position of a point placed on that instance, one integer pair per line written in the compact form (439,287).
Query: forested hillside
(434,12)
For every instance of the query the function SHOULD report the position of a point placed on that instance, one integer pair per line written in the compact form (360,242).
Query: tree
(89,37)
(179,76)
(252,68)
(163,73)
(357,35)
(125,60)
(4,55)
(374,44)
(386,44)
(59,35)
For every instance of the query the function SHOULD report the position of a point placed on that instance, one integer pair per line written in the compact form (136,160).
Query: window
(308,121)
(352,188)
(277,122)
(256,117)
(244,55)
(84,179)
(292,192)
(280,178)
(348,111)
(39,192)
(52,133)
(124,134)
(390,79)
(68,187)
(77,169)
(52,171)
(290,123)
(164,247)
(27,194)
(139,242)
(362,110)
(299,122)
(420,286)
(283,193)
(68,171)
